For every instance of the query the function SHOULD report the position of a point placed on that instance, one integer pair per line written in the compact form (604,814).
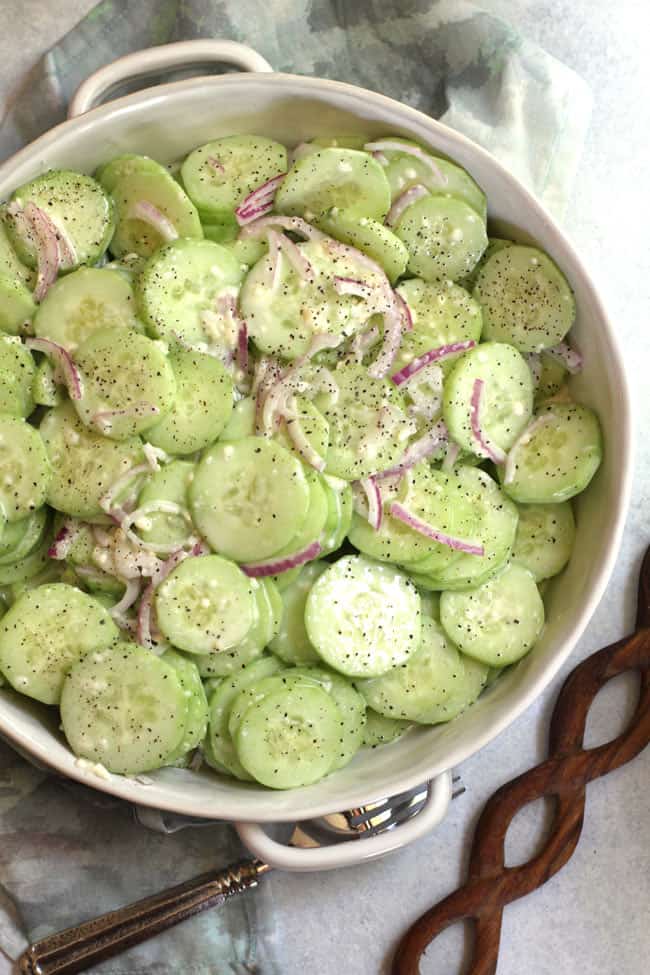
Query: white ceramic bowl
(166,122)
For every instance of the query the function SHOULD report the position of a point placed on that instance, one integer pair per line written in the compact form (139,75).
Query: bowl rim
(173,798)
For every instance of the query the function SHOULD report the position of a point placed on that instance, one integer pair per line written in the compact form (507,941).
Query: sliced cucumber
(268,603)
(221,747)
(499,622)
(17,372)
(404,171)
(16,574)
(124,708)
(202,405)
(290,738)
(205,605)
(335,177)
(284,311)
(247,252)
(133,235)
(444,237)
(526,299)
(17,306)
(506,404)
(442,314)
(82,302)
(292,643)
(45,389)
(339,518)
(170,483)
(25,470)
(124,166)
(84,464)
(45,632)
(21,537)
(362,617)
(552,379)
(368,236)
(196,724)
(313,526)
(79,208)
(219,175)
(545,537)
(369,428)
(179,284)
(351,705)
(380,730)
(434,685)
(126,386)
(10,265)
(494,244)
(249,498)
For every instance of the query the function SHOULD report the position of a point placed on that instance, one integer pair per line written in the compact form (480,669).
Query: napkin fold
(68,853)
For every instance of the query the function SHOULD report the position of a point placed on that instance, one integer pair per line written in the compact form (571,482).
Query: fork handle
(77,949)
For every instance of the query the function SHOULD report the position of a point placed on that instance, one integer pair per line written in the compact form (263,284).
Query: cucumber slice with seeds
(124,708)
(45,632)
(558,458)
(126,386)
(363,617)
(136,236)
(84,464)
(25,468)
(349,702)
(179,284)
(79,208)
(202,405)
(545,537)
(404,171)
(445,238)
(526,299)
(83,302)
(268,604)
(344,178)
(17,372)
(498,622)
(249,498)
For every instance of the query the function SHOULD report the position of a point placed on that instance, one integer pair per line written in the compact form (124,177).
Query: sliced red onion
(131,594)
(104,419)
(273,567)
(535,365)
(299,439)
(570,358)
(242,347)
(406,312)
(402,514)
(254,213)
(296,258)
(380,157)
(259,228)
(433,355)
(403,201)
(107,501)
(363,341)
(258,199)
(485,447)
(391,145)
(521,441)
(148,213)
(63,362)
(154,456)
(273,255)
(214,162)
(48,255)
(418,451)
(375,505)
(393,325)
(350,286)
(451,456)
(64,540)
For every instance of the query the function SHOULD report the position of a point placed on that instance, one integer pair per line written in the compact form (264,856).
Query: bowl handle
(166,57)
(351,852)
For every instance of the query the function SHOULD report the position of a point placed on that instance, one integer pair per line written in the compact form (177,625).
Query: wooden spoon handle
(563,776)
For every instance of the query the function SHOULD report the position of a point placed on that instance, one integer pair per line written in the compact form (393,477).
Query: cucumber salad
(287,452)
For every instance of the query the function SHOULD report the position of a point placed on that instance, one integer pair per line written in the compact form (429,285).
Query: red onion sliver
(570,358)
(406,312)
(300,441)
(63,540)
(63,362)
(107,501)
(151,507)
(214,162)
(485,447)
(390,145)
(380,157)
(259,198)
(433,355)
(148,213)
(131,593)
(393,325)
(418,451)
(48,255)
(259,228)
(375,503)
(406,199)
(272,567)
(363,341)
(402,514)
(244,217)
(451,456)
(521,441)
(296,258)
(350,286)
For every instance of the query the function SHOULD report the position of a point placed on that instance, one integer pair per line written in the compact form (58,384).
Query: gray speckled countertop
(593,916)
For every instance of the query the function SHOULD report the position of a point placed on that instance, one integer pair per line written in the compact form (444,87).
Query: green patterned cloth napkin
(67,853)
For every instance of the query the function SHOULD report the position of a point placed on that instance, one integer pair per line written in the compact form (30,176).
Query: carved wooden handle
(563,776)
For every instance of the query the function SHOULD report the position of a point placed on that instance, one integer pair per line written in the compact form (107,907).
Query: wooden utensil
(563,777)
